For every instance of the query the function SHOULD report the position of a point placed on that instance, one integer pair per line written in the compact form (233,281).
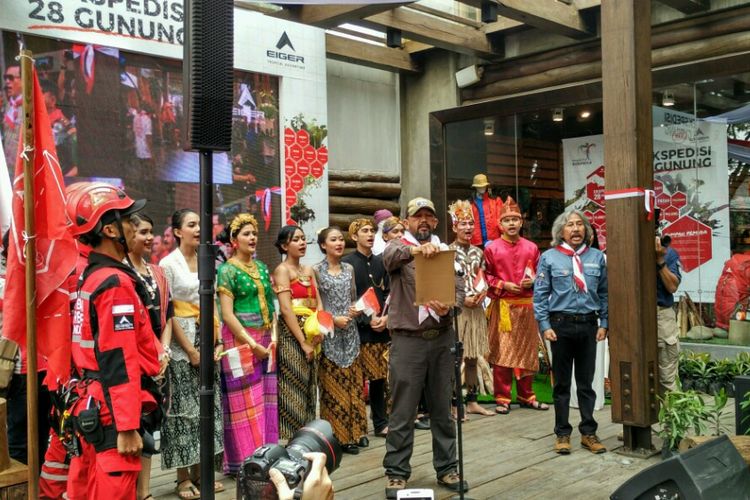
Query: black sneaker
(351,449)
(423,424)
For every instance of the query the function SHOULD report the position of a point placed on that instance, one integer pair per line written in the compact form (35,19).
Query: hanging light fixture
(667,98)
(557,115)
(489,126)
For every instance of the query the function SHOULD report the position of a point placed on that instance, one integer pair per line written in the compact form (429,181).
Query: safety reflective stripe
(55,465)
(53,477)
(85,344)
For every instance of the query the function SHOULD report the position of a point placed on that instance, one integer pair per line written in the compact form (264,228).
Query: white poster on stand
(692,191)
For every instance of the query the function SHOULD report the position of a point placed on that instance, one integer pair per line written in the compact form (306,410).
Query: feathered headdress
(460,210)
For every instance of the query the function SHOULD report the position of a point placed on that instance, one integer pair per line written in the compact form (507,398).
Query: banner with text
(111,48)
(692,191)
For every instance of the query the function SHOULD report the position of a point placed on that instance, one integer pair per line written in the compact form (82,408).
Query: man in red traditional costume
(513,335)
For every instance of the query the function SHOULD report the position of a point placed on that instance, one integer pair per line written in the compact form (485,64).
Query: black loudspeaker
(741,417)
(488,11)
(713,470)
(207,74)
(393,38)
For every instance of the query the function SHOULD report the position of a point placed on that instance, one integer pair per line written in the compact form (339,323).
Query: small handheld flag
(325,322)
(480,284)
(529,271)
(240,360)
(368,303)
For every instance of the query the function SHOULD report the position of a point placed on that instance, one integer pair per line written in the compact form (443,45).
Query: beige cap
(419,203)
(480,181)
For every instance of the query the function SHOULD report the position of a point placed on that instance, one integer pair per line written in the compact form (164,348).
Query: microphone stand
(458,354)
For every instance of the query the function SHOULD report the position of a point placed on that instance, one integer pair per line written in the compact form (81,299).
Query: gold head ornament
(240,221)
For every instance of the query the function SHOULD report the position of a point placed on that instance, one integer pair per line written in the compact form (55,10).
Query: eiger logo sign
(284,41)
(281,55)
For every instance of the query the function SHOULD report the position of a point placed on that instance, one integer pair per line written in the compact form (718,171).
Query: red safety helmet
(88,202)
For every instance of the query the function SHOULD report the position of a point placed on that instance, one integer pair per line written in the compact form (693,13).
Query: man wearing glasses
(12,114)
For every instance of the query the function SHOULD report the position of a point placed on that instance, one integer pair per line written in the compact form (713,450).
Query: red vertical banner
(56,252)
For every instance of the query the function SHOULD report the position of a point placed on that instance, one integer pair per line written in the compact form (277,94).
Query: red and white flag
(271,365)
(240,360)
(56,252)
(325,322)
(479,284)
(529,272)
(368,303)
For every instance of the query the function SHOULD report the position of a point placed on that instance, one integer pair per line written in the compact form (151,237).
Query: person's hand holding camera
(317,484)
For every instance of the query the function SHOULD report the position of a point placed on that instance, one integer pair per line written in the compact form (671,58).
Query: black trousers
(18,419)
(418,366)
(378,404)
(576,341)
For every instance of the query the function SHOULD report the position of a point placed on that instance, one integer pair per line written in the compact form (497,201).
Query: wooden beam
(628,145)
(688,6)
(445,15)
(434,31)
(328,16)
(502,24)
(578,71)
(371,55)
(413,47)
(548,15)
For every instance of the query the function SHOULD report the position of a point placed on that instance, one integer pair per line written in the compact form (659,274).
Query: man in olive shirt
(420,356)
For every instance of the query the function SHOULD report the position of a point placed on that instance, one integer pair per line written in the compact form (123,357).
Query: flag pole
(32,403)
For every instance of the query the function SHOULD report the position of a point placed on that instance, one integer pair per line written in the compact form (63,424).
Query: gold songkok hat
(510,209)
(358,224)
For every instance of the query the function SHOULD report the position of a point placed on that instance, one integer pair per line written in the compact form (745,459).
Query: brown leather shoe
(393,486)
(592,443)
(562,445)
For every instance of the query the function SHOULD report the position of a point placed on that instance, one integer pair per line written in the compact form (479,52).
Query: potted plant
(703,374)
(723,377)
(714,413)
(686,370)
(680,412)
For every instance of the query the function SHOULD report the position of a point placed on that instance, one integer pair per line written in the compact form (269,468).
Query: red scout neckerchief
(577,264)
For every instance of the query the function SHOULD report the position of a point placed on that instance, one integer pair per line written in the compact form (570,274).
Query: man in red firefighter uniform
(53,479)
(113,347)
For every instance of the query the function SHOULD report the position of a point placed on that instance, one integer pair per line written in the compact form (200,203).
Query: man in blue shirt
(668,278)
(570,305)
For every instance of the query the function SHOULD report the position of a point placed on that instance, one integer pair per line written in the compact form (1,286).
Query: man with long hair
(571,307)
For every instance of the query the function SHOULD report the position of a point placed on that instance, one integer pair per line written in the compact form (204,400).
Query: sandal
(535,405)
(187,492)
(218,487)
(502,409)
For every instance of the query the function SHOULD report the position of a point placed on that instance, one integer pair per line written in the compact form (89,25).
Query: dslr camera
(254,481)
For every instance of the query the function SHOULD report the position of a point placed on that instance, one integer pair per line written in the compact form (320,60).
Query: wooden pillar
(628,145)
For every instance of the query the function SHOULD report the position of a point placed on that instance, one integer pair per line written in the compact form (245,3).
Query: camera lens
(317,436)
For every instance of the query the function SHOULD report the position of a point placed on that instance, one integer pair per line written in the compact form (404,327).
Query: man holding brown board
(420,355)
